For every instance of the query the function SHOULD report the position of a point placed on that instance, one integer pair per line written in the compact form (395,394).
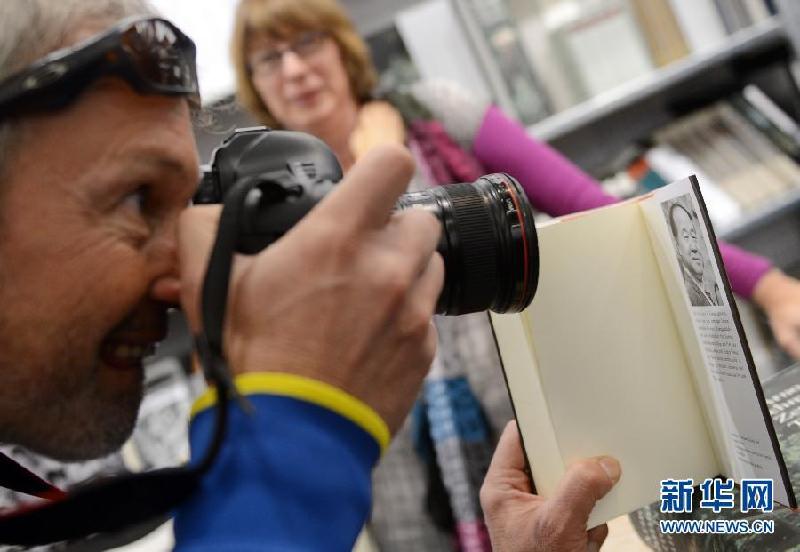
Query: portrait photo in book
(693,256)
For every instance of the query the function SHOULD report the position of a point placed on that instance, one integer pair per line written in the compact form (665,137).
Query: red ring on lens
(520,219)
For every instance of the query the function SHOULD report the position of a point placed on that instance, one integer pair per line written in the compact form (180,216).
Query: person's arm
(294,475)
(329,329)
(519,521)
(553,184)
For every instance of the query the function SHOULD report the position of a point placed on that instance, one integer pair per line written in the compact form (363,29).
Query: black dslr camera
(488,243)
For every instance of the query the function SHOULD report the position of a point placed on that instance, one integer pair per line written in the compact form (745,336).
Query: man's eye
(136,201)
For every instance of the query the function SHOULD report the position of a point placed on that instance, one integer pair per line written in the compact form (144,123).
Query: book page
(664,250)
(713,336)
(607,362)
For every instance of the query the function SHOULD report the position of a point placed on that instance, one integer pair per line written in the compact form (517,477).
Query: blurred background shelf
(594,133)
(763,37)
(774,211)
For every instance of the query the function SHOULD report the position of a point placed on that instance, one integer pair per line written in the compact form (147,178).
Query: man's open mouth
(125,355)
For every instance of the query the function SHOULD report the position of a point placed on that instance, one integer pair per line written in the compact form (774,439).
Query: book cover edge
(776,448)
(528,470)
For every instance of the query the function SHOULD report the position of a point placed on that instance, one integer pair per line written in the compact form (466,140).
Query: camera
(488,242)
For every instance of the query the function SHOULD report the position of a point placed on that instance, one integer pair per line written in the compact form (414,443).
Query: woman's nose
(293,65)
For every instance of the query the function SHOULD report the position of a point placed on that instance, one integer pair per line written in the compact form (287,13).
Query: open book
(633,348)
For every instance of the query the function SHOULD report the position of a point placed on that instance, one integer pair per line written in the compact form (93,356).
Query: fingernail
(592,547)
(611,467)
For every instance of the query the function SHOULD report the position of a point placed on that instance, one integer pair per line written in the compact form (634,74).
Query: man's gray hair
(30,29)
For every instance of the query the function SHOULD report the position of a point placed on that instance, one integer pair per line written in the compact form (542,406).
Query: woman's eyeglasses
(269,62)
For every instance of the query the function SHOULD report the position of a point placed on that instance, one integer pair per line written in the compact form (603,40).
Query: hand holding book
(520,521)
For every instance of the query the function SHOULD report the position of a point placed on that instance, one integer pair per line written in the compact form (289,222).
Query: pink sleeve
(553,184)
(744,269)
(557,187)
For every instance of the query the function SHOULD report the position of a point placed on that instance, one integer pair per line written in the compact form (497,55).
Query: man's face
(688,244)
(87,265)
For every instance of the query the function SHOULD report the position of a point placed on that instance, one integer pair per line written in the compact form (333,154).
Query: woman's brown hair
(281,20)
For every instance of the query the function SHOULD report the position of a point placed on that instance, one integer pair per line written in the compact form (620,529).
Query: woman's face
(301,80)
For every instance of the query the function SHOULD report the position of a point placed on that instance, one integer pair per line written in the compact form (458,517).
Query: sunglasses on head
(150,54)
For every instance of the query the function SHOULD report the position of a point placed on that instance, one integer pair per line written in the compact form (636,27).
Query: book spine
(559,81)
(757,10)
(742,14)
(771,110)
(661,30)
(601,67)
(742,161)
(749,168)
(741,170)
(765,125)
(700,22)
(783,172)
(728,15)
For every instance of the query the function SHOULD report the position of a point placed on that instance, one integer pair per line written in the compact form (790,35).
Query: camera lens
(488,243)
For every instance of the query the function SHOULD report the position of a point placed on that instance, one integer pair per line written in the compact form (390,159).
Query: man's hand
(378,123)
(779,296)
(520,521)
(345,297)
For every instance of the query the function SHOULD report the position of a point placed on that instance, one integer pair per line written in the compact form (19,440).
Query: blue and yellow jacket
(293,475)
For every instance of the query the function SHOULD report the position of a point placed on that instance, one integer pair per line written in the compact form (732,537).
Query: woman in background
(301,66)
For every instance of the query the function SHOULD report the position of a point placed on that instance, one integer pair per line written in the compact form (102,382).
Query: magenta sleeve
(744,268)
(553,183)
(557,187)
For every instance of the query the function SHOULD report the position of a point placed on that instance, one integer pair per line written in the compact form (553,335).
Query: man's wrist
(309,390)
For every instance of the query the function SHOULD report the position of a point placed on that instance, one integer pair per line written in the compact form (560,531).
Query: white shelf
(648,85)
(752,221)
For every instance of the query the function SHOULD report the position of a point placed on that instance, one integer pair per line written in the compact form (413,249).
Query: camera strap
(130,499)
(17,478)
